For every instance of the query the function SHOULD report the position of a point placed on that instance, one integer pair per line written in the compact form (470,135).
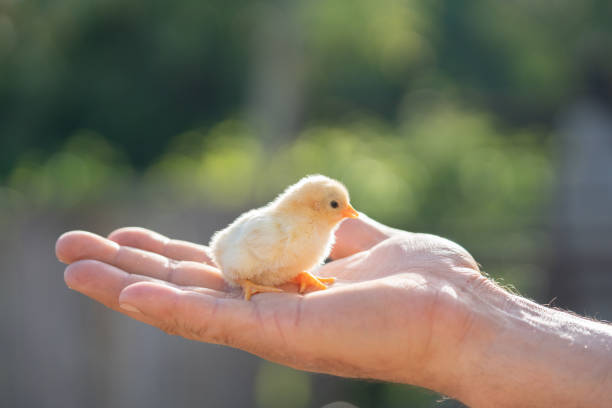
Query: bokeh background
(489,123)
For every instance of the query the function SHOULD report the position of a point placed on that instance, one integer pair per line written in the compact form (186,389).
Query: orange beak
(350,212)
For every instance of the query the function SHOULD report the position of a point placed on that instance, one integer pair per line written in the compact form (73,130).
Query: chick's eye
(334,204)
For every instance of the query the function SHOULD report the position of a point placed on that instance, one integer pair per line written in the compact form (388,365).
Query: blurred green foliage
(139,74)
(406,175)
(436,114)
(86,168)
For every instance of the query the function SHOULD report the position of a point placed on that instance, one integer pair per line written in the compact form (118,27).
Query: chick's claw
(251,288)
(306,280)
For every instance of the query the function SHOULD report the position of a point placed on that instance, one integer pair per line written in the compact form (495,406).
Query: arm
(410,308)
(531,355)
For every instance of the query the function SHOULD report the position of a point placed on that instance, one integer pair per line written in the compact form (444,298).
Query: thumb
(359,234)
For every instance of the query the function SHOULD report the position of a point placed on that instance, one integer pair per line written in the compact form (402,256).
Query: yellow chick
(283,240)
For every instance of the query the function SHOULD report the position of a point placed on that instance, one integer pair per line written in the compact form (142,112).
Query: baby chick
(283,240)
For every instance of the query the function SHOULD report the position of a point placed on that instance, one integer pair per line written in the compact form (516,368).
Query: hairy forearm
(536,356)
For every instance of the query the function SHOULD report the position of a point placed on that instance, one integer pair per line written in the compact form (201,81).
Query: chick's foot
(306,280)
(251,288)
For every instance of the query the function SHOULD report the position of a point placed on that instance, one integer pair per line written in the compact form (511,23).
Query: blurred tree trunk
(275,91)
(581,276)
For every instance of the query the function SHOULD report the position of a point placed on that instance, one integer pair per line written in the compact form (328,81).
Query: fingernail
(129,308)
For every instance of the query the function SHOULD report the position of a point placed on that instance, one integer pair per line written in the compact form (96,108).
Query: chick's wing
(265,238)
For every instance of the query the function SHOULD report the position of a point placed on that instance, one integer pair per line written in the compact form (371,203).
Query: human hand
(392,315)
(410,308)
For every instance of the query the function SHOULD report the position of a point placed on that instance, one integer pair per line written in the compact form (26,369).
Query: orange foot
(305,280)
(251,288)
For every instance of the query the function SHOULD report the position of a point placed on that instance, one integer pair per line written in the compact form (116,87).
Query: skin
(409,308)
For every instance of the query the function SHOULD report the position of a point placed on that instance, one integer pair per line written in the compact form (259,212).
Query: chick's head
(320,197)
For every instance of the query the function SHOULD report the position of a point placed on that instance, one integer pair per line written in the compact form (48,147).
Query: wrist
(529,355)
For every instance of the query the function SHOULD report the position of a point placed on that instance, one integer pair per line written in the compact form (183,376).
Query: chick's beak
(350,212)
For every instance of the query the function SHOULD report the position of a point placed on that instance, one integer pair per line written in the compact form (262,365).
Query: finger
(104,283)
(99,281)
(359,234)
(74,245)
(154,242)
(197,316)
(77,245)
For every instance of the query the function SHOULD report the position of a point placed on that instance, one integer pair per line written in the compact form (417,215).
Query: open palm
(398,310)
